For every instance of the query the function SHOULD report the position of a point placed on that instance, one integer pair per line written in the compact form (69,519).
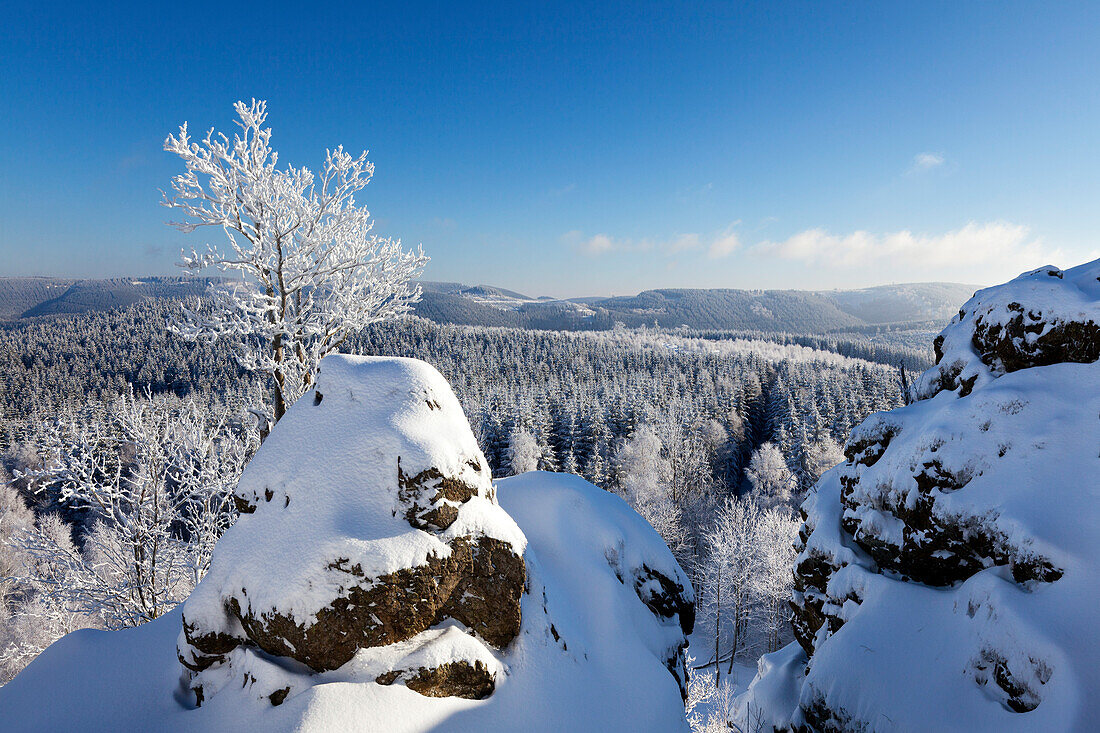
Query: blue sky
(572,149)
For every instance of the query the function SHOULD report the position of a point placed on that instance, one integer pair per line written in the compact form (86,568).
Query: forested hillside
(905,303)
(31,297)
(791,311)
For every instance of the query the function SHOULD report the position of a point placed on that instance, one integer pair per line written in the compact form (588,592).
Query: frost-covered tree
(709,704)
(38,619)
(730,562)
(772,578)
(314,272)
(15,518)
(156,477)
(645,478)
(820,457)
(770,477)
(523,452)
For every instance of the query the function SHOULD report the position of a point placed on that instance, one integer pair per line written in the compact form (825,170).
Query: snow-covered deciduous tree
(523,451)
(746,578)
(15,518)
(770,477)
(709,702)
(821,456)
(772,578)
(730,561)
(314,272)
(32,620)
(157,478)
(645,478)
(689,449)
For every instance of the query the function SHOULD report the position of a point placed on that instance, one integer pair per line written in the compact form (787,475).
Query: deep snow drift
(378,580)
(949,575)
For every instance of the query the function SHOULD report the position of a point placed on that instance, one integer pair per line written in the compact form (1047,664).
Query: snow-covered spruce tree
(314,272)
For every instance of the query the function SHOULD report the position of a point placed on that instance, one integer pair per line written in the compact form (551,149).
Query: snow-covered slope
(360,593)
(949,578)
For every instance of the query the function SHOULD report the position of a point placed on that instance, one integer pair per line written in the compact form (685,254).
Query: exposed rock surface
(450,679)
(947,572)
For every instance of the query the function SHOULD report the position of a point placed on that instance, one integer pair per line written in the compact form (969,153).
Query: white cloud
(724,244)
(976,252)
(681,243)
(927,161)
(718,245)
(595,245)
(598,244)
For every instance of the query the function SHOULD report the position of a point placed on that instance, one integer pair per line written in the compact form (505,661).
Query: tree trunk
(717,631)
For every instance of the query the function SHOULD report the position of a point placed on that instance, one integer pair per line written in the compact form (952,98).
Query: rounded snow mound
(947,572)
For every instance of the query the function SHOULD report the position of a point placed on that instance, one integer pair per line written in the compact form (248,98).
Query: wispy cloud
(682,243)
(926,161)
(596,245)
(995,249)
(720,244)
(562,190)
(694,194)
(725,243)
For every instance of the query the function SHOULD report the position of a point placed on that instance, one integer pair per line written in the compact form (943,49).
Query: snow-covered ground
(603,672)
(766,350)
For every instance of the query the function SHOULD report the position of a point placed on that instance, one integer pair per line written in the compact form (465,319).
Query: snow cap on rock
(1046,316)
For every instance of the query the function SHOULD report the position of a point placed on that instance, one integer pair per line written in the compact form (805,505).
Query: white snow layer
(1025,447)
(590,654)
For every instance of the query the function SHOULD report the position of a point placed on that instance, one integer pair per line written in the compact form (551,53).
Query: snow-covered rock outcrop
(367,518)
(948,575)
(378,579)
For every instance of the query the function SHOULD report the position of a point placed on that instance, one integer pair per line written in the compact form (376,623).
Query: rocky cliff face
(947,572)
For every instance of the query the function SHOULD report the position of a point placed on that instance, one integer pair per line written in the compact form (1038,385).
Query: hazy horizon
(508,287)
